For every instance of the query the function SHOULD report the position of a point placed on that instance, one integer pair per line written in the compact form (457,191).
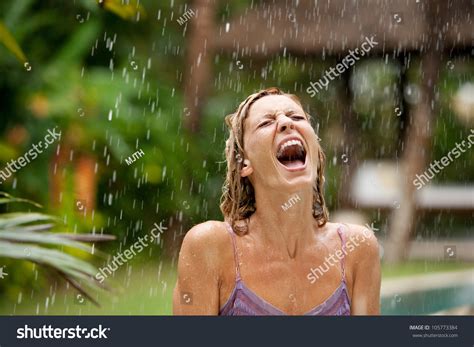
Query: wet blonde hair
(238,197)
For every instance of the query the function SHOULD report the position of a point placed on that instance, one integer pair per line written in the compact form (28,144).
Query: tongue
(292,163)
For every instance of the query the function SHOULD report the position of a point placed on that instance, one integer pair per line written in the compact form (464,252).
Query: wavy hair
(238,197)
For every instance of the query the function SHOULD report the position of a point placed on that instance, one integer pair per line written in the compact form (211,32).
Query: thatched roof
(334,26)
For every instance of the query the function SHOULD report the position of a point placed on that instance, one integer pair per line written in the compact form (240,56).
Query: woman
(272,255)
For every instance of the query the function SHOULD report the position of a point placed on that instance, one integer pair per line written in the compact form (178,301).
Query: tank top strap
(343,247)
(236,254)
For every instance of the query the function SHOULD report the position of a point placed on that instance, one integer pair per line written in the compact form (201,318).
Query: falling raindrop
(412,93)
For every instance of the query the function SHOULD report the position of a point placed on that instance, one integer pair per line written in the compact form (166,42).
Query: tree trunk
(414,160)
(199,60)
(349,157)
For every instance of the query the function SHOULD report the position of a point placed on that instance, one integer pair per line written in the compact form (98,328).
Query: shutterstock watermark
(137,247)
(329,261)
(48,332)
(347,62)
(186,298)
(29,156)
(445,161)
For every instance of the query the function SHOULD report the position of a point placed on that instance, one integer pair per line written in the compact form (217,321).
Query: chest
(286,283)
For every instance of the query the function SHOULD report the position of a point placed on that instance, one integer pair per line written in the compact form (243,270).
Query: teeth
(290,143)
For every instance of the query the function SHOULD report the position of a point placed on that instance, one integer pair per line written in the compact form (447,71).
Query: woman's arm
(197,288)
(366,274)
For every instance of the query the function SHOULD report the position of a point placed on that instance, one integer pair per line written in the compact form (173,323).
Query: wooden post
(349,155)
(418,139)
(198,61)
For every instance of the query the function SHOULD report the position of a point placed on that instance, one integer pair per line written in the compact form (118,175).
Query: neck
(284,218)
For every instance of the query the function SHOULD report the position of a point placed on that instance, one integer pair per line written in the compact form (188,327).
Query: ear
(247,169)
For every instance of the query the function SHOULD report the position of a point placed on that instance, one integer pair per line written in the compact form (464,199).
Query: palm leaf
(125,11)
(23,236)
(15,219)
(52,257)
(35,227)
(10,43)
(45,238)
(78,287)
(6,198)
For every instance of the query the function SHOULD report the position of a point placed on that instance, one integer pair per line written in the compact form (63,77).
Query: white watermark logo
(329,261)
(131,159)
(2,273)
(445,161)
(29,156)
(137,247)
(48,332)
(185,17)
(347,62)
(291,202)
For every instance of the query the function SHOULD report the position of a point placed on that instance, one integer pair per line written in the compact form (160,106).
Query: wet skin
(281,246)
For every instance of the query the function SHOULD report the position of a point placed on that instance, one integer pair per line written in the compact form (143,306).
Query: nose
(285,123)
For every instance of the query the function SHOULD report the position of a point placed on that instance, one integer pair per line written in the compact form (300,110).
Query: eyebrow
(272,113)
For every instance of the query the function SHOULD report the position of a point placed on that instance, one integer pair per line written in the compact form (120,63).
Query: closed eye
(298,117)
(263,124)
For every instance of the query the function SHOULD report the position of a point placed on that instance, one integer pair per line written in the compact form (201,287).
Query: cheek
(315,151)
(258,146)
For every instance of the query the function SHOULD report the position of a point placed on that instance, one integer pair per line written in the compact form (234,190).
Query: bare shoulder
(206,239)
(363,239)
(200,269)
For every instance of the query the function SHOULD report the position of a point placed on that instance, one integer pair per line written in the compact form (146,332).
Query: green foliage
(25,236)
(7,39)
(115,86)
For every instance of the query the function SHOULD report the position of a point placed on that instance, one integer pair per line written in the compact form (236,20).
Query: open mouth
(292,154)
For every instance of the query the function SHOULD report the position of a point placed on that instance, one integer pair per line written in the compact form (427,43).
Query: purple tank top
(244,302)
